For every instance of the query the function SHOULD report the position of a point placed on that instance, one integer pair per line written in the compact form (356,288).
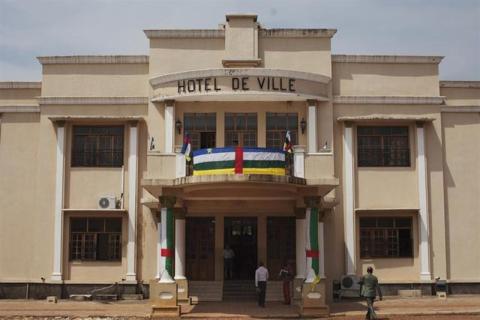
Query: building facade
(383,171)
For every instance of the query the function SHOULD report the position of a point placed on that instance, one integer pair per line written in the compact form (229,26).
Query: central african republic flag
(239,160)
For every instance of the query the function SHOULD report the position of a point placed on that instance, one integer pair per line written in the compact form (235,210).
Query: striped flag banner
(238,160)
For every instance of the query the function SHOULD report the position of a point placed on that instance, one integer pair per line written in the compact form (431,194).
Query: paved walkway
(455,307)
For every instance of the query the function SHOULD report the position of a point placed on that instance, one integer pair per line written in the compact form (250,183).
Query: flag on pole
(287,146)
(187,147)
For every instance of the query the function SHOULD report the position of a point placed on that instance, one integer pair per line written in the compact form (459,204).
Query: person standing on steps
(368,289)
(228,255)
(261,278)
(286,277)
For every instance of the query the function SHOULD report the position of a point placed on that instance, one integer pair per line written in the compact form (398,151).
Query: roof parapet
(185,33)
(459,84)
(20,85)
(94,59)
(347,58)
(297,33)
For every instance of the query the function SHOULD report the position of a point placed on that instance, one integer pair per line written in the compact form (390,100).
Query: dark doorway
(241,237)
(280,244)
(200,248)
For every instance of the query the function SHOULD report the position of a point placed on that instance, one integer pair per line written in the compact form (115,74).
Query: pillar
(132,199)
(311,238)
(169,125)
(300,257)
(349,188)
(299,161)
(180,246)
(312,126)
(321,250)
(423,221)
(59,192)
(160,267)
(166,239)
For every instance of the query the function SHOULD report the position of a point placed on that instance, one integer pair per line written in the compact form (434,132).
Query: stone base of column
(313,300)
(425,276)
(163,297)
(131,277)
(182,291)
(297,289)
(56,277)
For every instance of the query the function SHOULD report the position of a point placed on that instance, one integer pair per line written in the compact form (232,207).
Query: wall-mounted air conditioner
(350,286)
(107,202)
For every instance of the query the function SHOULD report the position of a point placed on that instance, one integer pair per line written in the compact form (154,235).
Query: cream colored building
(385,154)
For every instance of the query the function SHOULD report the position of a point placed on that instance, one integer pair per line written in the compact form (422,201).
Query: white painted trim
(349,223)
(59,193)
(312,129)
(169,127)
(359,58)
(93,59)
(320,153)
(159,249)
(423,221)
(388,100)
(93,100)
(300,246)
(179,249)
(309,272)
(321,249)
(132,201)
(460,109)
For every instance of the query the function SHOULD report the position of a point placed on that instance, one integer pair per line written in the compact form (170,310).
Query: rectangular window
(202,129)
(277,126)
(241,129)
(96,239)
(383,147)
(97,146)
(385,237)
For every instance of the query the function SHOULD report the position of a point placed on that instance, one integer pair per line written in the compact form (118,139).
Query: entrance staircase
(239,290)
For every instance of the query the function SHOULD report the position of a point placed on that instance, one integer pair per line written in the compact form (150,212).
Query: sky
(31,28)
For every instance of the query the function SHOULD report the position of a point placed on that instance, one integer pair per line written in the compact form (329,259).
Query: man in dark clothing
(368,289)
(286,276)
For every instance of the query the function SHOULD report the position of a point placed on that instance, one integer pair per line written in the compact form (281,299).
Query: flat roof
(94,59)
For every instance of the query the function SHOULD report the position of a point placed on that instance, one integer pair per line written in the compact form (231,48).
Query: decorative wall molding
(94,59)
(393,117)
(350,58)
(459,84)
(20,85)
(297,33)
(20,108)
(387,100)
(185,33)
(461,109)
(239,72)
(92,100)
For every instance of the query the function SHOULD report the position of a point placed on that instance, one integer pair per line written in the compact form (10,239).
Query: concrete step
(101,296)
(132,296)
(206,290)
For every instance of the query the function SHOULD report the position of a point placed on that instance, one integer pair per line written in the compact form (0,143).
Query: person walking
(261,278)
(368,289)
(286,276)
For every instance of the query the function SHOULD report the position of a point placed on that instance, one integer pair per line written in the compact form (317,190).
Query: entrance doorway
(200,248)
(241,237)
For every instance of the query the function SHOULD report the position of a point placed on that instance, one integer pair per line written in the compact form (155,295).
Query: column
(160,267)
(180,246)
(423,221)
(349,188)
(321,249)
(311,238)
(169,125)
(132,199)
(299,161)
(312,126)
(166,241)
(59,188)
(300,244)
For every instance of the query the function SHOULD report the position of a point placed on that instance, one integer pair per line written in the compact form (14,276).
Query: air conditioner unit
(107,202)
(350,286)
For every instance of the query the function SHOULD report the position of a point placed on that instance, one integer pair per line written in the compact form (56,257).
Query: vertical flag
(187,147)
(287,146)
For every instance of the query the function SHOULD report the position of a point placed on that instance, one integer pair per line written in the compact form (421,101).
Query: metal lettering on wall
(211,84)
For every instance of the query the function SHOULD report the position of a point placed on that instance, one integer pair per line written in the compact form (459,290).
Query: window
(97,146)
(277,126)
(241,129)
(202,129)
(383,147)
(385,237)
(95,239)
